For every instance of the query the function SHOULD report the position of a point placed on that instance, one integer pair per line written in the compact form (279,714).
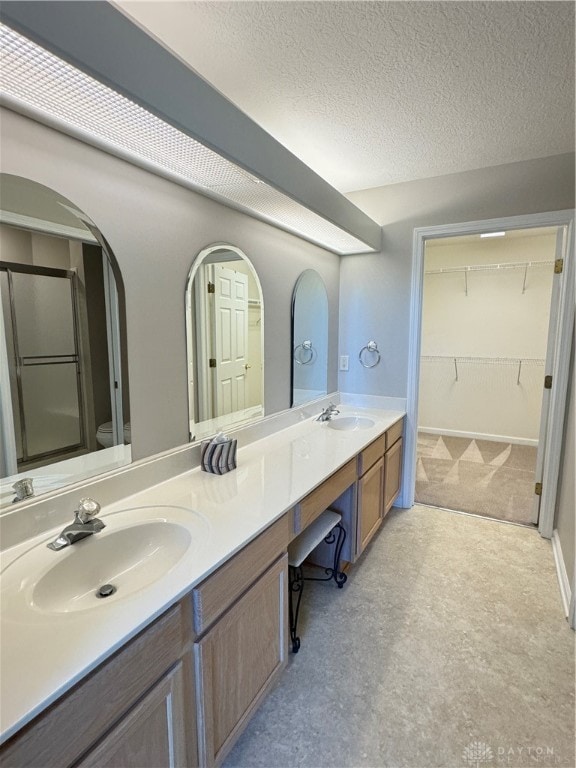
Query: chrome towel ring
(372,348)
(307,353)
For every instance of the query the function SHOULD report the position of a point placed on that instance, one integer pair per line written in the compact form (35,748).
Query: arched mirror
(225,341)
(63,372)
(309,338)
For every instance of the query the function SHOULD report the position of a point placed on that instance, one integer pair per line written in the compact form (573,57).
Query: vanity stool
(328,528)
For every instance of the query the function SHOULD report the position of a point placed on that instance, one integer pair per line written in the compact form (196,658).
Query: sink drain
(105,590)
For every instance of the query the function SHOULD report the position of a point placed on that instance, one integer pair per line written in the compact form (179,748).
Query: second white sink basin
(350,423)
(137,548)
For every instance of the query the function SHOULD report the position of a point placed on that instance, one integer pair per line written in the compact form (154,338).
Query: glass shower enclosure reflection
(39,312)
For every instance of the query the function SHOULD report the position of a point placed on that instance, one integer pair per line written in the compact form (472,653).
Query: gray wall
(375,288)
(155,229)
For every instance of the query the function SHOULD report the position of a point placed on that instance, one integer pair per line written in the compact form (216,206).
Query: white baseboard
(479,436)
(563,581)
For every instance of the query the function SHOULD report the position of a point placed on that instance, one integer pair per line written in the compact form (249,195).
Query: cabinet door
(151,735)
(392,474)
(369,503)
(239,659)
(93,708)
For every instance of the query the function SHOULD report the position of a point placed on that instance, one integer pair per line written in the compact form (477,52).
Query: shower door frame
(563,323)
(67,274)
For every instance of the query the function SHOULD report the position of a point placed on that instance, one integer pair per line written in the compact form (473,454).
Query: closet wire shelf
(465,270)
(456,361)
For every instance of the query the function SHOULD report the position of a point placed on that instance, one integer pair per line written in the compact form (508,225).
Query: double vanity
(167,667)
(149,630)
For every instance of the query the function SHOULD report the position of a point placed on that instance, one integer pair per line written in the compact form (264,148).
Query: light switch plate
(343,362)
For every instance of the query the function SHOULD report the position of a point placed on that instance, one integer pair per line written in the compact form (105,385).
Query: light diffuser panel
(35,78)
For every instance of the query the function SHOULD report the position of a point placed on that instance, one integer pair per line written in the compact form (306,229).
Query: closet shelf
(483,360)
(466,270)
(486,267)
(456,361)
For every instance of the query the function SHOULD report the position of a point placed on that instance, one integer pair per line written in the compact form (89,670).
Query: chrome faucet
(328,412)
(85,524)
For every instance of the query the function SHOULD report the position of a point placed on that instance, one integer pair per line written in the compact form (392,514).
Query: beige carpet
(448,635)
(479,476)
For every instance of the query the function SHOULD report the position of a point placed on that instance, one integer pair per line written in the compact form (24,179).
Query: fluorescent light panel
(40,81)
(493,234)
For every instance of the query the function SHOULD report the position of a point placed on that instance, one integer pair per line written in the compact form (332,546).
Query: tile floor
(447,647)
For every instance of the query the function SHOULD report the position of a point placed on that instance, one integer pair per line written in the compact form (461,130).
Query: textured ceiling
(373,93)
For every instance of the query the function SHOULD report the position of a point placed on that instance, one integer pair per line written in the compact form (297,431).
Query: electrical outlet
(343,362)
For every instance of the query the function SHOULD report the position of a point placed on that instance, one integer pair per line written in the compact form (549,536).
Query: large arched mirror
(225,341)
(63,371)
(309,338)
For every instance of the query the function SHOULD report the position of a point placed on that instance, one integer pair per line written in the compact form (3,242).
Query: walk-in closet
(485,319)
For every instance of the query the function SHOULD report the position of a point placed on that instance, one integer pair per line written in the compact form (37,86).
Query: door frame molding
(563,340)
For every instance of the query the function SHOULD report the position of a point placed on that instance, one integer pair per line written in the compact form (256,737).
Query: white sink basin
(137,548)
(351,423)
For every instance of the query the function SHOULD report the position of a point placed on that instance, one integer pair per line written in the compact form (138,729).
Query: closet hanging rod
(483,360)
(486,267)
(519,361)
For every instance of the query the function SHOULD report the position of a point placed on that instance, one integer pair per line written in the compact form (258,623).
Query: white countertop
(44,654)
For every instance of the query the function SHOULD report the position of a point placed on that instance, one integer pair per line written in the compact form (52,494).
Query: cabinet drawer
(394,433)
(73,724)
(371,454)
(321,498)
(215,595)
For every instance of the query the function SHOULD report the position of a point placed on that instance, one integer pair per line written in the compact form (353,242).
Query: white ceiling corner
(370,93)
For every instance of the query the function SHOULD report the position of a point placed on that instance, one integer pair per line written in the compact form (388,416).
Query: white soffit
(371,93)
(40,84)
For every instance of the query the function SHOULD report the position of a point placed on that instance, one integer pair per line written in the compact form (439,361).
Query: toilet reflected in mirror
(309,338)
(225,341)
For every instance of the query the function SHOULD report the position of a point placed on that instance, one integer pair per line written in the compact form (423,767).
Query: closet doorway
(557,365)
(485,319)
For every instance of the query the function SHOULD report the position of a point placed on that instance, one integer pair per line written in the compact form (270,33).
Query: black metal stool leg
(339,577)
(295,587)
(336,536)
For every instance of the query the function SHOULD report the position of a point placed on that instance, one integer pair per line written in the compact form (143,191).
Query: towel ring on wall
(300,357)
(370,347)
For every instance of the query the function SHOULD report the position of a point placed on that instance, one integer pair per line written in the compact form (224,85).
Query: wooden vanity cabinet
(370,488)
(371,482)
(131,712)
(241,618)
(369,504)
(379,474)
(392,474)
(178,694)
(152,734)
(239,660)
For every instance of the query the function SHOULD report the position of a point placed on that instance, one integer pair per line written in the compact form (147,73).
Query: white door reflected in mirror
(231,338)
(225,337)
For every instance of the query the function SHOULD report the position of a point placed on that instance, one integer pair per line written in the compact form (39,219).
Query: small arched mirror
(63,367)
(309,338)
(225,341)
